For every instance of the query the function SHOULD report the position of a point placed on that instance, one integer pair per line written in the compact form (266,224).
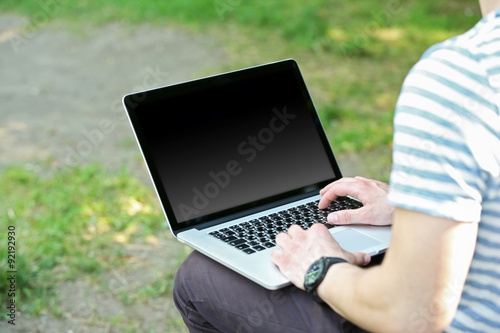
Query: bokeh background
(93,251)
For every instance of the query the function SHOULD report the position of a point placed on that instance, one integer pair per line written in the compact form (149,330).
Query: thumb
(342,217)
(360,258)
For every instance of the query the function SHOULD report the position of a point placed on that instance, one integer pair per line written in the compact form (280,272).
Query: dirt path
(60,96)
(61,92)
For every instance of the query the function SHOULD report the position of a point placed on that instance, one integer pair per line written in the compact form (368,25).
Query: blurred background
(93,251)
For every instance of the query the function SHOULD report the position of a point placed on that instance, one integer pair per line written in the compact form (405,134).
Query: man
(442,270)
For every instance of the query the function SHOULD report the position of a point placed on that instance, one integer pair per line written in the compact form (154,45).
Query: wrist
(317,272)
(326,287)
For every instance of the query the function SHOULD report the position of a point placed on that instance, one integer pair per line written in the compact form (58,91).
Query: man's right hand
(373,195)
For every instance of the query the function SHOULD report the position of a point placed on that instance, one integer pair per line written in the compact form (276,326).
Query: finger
(295,230)
(327,198)
(359,258)
(277,256)
(319,227)
(348,216)
(341,180)
(337,190)
(355,258)
(341,217)
(281,239)
(326,188)
(320,232)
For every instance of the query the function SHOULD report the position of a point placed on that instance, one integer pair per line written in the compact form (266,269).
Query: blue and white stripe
(446,156)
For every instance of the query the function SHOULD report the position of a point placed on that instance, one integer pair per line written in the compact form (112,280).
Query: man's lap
(213,298)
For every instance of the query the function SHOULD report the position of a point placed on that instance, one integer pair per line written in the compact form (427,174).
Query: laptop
(238,157)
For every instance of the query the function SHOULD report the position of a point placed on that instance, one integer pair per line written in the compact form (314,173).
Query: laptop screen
(220,146)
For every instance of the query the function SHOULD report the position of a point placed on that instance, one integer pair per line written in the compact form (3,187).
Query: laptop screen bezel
(134,101)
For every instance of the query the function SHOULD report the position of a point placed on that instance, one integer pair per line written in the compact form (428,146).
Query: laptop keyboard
(258,234)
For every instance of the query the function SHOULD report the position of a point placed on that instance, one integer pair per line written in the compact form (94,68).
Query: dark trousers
(212,298)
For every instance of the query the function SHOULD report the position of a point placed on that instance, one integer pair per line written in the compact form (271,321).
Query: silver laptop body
(236,158)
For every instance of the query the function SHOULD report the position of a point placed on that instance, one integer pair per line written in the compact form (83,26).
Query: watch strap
(330,261)
(333,260)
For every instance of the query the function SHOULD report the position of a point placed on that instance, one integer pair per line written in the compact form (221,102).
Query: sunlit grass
(354,54)
(74,221)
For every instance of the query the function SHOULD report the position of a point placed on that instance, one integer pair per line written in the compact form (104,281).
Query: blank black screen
(231,141)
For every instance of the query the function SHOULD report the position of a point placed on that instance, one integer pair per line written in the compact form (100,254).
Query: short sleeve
(444,141)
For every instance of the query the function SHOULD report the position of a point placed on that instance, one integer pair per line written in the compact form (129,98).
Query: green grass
(75,221)
(354,54)
(303,23)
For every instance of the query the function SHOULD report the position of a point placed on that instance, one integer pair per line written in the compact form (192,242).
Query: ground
(60,89)
(61,102)
(60,94)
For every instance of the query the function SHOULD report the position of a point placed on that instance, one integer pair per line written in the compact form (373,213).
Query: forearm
(363,296)
(428,257)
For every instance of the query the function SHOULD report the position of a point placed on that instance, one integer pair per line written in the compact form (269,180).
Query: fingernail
(333,218)
(367,259)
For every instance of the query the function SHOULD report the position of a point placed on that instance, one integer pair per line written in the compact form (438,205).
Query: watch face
(313,273)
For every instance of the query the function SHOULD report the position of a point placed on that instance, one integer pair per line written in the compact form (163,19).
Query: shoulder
(459,77)
(446,113)
(477,43)
(472,58)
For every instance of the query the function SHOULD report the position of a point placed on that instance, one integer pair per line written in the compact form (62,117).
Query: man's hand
(373,195)
(299,248)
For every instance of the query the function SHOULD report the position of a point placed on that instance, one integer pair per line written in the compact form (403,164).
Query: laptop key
(237,242)
(258,234)
(217,234)
(228,239)
(242,246)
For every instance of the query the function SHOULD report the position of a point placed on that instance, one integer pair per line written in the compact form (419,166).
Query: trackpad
(352,240)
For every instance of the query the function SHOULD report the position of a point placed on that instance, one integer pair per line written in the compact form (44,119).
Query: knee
(190,268)
(181,289)
(183,274)
(187,276)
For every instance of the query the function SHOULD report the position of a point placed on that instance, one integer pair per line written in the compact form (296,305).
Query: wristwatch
(316,273)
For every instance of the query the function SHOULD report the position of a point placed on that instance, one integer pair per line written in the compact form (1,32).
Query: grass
(354,55)
(76,220)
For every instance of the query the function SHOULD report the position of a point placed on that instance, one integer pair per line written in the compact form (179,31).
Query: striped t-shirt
(446,158)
